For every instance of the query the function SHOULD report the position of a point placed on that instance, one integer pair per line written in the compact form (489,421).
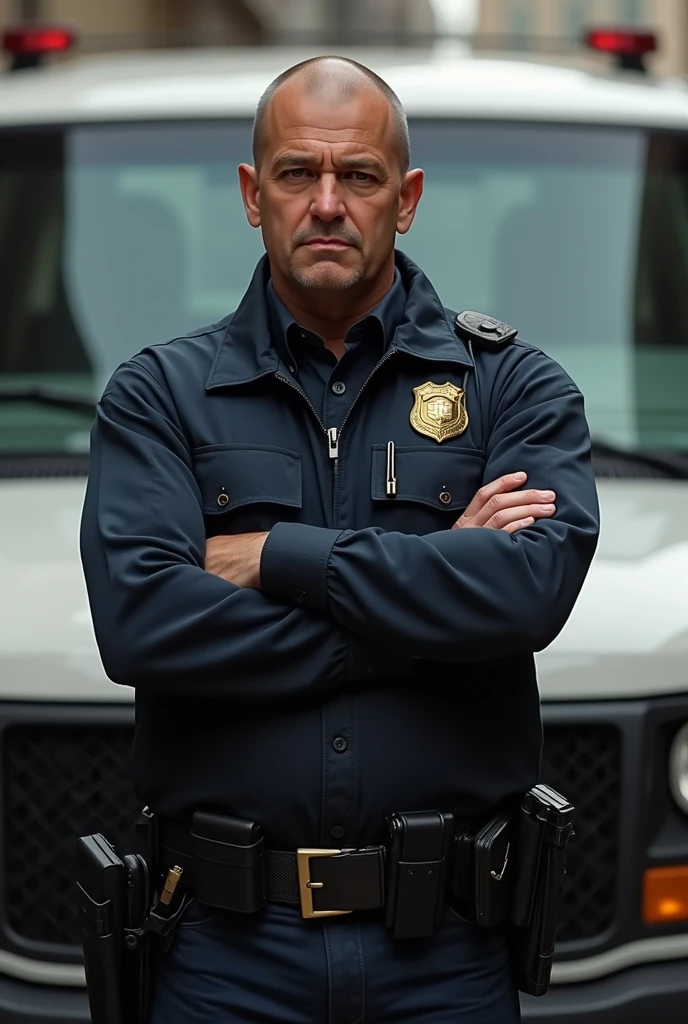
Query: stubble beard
(335,278)
(326,274)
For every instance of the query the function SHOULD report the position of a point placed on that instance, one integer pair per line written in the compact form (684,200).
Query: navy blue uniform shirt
(313,366)
(387,661)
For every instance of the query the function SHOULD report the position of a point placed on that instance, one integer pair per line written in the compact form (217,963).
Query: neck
(330,314)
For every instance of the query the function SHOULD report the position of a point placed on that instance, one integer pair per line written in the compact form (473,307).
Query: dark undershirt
(332,385)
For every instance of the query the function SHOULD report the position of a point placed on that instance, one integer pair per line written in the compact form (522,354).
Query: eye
(360,176)
(296,173)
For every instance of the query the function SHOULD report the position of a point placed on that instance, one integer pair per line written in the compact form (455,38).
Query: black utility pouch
(539,887)
(494,870)
(417,871)
(482,881)
(230,864)
(461,887)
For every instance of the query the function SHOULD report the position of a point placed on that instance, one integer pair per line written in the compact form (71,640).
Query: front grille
(584,764)
(60,782)
(63,781)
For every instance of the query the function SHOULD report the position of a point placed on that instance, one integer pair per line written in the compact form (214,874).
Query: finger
(500,520)
(505,483)
(520,524)
(501,501)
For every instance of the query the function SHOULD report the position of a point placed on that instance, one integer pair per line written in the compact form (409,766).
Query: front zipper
(332,434)
(306,399)
(365,384)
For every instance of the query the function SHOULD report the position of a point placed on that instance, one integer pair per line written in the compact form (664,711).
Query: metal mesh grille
(584,764)
(65,781)
(60,783)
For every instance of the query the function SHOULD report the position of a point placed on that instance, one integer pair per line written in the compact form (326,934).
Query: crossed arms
(173,615)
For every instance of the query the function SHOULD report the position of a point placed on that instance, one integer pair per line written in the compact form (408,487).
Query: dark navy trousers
(276,968)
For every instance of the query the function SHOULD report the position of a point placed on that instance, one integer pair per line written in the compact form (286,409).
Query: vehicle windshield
(115,237)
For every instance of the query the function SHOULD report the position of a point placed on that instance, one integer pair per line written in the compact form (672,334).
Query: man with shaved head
(323,539)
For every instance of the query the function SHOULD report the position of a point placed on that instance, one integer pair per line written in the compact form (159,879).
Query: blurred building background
(541,27)
(553,25)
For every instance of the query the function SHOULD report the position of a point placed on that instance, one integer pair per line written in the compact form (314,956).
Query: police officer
(321,540)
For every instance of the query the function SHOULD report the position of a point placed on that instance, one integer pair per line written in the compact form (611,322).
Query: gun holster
(509,873)
(127,920)
(545,828)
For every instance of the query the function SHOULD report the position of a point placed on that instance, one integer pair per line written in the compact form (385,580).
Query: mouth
(330,244)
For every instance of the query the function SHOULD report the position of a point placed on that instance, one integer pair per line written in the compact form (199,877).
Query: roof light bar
(27,44)
(628,45)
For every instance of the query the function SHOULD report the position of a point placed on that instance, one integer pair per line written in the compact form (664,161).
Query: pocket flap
(445,478)
(233,475)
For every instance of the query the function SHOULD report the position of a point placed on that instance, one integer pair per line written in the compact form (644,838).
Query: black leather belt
(319,881)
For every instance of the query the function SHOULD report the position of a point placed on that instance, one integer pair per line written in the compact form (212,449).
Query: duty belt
(503,872)
(319,881)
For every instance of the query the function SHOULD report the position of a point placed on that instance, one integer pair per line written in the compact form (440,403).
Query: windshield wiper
(662,462)
(54,399)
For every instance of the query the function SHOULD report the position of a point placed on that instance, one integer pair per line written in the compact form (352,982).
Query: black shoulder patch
(485,330)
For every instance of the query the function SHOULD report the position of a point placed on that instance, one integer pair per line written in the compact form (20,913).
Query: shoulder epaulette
(485,330)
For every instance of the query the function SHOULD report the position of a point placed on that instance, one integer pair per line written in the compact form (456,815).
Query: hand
(236,558)
(498,506)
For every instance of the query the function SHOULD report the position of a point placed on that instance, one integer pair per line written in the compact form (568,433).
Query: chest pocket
(247,488)
(433,486)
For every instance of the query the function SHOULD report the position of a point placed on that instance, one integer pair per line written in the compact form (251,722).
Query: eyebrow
(353,162)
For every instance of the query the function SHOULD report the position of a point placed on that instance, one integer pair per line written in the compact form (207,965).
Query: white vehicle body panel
(212,84)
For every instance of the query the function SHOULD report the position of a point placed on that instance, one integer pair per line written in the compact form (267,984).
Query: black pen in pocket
(391,482)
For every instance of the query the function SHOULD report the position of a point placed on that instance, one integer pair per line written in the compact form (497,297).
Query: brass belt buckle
(303,861)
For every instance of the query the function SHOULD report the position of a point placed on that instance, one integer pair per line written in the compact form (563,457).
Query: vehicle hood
(627,636)
(628,633)
(47,646)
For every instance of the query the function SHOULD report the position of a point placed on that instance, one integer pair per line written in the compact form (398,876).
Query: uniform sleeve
(466,594)
(161,621)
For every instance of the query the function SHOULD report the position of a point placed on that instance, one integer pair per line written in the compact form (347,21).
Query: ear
(409,197)
(248,183)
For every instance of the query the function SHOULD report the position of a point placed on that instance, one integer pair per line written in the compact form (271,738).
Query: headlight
(678,768)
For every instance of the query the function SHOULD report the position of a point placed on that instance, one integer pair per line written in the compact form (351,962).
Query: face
(329,195)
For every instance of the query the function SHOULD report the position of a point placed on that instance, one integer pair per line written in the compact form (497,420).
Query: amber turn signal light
(665,894)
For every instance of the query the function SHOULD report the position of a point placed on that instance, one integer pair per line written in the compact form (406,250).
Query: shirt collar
(246,352)
(388,313)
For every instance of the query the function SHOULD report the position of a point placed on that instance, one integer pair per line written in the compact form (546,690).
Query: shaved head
(334,81)
(330,185)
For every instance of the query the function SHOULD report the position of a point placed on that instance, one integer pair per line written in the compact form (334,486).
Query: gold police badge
(439,411)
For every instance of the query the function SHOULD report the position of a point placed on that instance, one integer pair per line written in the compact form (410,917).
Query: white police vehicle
(556,200)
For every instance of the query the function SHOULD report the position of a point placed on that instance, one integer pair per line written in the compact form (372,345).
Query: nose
(327,204)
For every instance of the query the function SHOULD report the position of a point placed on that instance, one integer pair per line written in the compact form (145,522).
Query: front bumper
(23,1003)
(651,994)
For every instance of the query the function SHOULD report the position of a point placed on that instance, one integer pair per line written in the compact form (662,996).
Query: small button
(339,744)
(445,497)
(292,369)
(339,387)
(299,593)
(337,831)
(223,499)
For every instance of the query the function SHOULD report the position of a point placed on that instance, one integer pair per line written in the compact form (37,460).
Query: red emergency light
(27,44)
(628,45)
